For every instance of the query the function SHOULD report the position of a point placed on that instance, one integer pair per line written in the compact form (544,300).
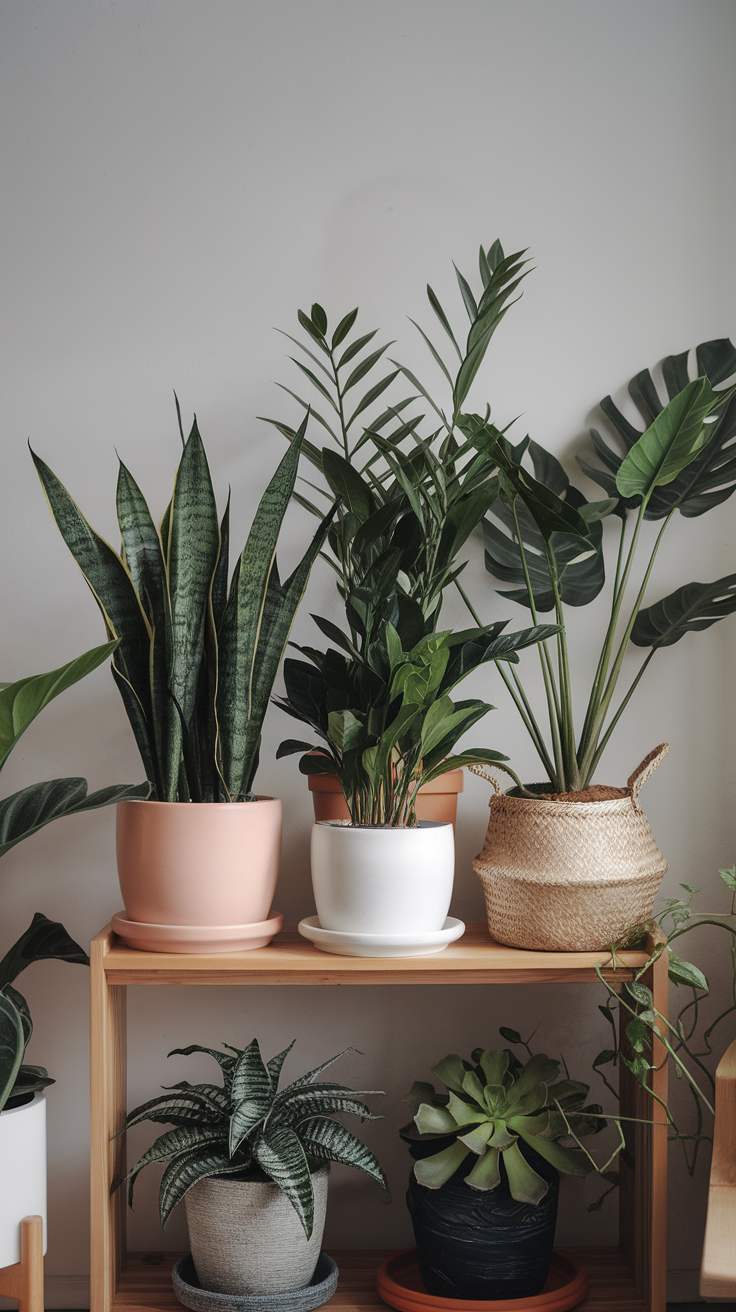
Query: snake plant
(495,1104)
(23,814)
(246,1128)
(197,657)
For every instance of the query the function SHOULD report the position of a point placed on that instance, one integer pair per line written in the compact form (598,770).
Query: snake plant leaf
(525,1185)
(332,1142)
(240,630)
(688,609)
(670,443)
(451,1070)
(430,1119)
(27,811)
(297,1100)
(44,940)
(110,584)
(250,1077)
(182,1139)
(311,1076)
(188,1169)
(477,1139)
(275,1066)
(21,702)
(435,1171)
(280,1154)
(144,558)
(570,1160)
(223,1059)
(486,1174)
(12,1046)
(190,1106)
(711,476)
(247,1115)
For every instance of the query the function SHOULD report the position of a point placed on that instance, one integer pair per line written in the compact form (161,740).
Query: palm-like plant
(494,1105)
(247,1128)
(196,656)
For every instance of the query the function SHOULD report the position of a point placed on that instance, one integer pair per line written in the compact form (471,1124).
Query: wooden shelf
(145,1283)
(630,1278)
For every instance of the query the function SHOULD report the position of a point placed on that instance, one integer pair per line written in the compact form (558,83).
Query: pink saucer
(195,938)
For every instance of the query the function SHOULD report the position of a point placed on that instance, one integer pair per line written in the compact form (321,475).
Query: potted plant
(568,893)
(418,498)
(252,1164)
(487,1156)
(22,1102)
(197,656)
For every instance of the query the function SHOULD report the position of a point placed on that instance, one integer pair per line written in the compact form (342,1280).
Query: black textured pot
(483,1245)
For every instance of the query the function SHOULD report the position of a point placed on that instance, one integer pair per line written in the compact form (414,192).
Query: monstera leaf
(687,610)
(711,477)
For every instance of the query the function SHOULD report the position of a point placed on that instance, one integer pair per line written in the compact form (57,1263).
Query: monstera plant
(546,540)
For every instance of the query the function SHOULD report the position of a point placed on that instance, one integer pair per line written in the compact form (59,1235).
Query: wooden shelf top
(291,959)
(145,1284)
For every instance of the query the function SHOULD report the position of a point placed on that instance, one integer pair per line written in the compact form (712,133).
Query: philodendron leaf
(43,940)
(688,609)
(524,1183)
(683,972)
(435,1171)
(20,702)
(12,1046)
(669,444)
(27,811)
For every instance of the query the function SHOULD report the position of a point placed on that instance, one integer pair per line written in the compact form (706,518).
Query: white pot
(382,881)
(22,1173)
(246,1237)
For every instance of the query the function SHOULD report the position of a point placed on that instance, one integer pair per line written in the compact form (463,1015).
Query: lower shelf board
(145,1281)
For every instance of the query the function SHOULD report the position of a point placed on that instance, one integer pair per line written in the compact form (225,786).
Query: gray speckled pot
(246,1237)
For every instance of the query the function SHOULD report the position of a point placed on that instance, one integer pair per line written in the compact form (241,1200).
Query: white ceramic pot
(246,1237)
(22,1173)
(382,881)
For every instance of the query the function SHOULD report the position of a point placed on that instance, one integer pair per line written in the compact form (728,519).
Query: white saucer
(195,938)
(343,944)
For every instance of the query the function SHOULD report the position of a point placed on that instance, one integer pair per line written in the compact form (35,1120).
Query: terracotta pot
(436,801)
(23,1173)
(371,880)
(212,865)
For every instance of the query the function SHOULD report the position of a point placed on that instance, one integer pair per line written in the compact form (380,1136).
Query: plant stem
(550,689)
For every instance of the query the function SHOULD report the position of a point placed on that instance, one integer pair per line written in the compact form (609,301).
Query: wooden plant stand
(24,1280)
(628,1278)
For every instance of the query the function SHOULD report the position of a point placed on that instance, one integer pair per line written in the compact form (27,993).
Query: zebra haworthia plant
(245,1128)
(195,660)
(494,1105)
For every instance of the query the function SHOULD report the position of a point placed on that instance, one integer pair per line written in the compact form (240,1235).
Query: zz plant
(196,652)
(246,1128)
(494,1105)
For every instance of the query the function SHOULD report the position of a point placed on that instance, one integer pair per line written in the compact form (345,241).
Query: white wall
(179,177)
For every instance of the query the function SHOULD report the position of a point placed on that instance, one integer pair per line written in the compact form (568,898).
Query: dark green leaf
(686,610)
(343,328)
(44,940)
(27,811)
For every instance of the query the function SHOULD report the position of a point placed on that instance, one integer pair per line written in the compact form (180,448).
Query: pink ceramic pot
(212,865)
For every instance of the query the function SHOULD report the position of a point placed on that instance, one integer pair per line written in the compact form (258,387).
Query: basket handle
(642,772)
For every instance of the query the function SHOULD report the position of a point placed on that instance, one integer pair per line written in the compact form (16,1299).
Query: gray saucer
(189,1291)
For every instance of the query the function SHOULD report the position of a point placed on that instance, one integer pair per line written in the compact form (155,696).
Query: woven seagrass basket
(570,876)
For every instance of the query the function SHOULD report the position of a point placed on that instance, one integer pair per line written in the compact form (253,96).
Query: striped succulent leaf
(332,1142)
(183,1139)
(280,1154)
(188,1169)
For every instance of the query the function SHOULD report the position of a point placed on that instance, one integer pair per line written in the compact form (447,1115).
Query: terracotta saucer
(195,938)
(399,1285)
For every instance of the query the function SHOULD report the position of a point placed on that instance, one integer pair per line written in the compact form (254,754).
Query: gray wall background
(178,178)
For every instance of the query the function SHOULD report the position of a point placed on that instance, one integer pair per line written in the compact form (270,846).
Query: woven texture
(570,876)
(320,1288)
(246,1237)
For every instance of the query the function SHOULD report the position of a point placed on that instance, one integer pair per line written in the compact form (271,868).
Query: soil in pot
(246,1237)
(483,1245)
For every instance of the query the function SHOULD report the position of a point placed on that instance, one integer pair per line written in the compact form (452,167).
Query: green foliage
(248,1128)
(546,540)
(494,1104)
(44,940)
(194,659)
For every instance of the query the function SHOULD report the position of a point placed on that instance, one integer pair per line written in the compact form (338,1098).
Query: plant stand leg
(643,1195)
(108,1104)
(24,1280)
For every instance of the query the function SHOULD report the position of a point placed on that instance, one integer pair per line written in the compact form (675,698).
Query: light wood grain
(290,959)
(146,1282)
(108,1080)
(718,1270)
(24,1280)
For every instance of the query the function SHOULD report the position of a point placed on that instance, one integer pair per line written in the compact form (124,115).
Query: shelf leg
(108,1105)
(24,1280)
(643,1194)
